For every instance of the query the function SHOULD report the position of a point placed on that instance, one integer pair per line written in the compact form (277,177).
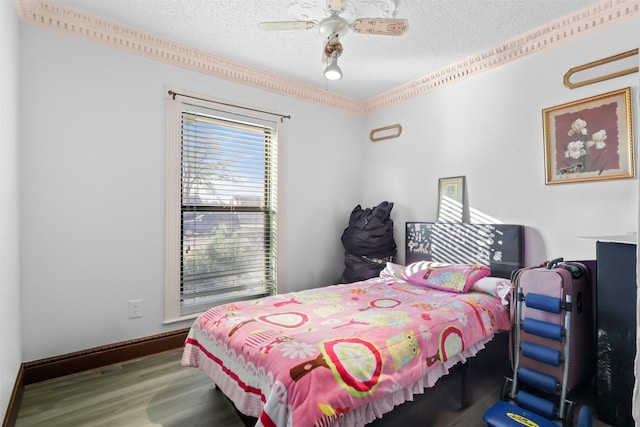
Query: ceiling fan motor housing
(333,24)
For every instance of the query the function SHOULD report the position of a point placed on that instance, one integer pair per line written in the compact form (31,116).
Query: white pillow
(389,272)
(496,286)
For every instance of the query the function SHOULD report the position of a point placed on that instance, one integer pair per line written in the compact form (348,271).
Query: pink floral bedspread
(314,357)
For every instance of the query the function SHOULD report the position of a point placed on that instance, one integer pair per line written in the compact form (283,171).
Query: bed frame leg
(465,386)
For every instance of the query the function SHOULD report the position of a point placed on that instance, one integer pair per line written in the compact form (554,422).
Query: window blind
(228,204)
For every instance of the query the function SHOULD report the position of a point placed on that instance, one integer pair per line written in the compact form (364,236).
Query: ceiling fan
(334,27)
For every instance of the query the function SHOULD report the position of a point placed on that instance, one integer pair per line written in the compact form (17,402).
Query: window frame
(176,104)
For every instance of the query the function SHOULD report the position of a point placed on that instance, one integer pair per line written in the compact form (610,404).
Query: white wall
(489,128)
(93,171)
(11,347)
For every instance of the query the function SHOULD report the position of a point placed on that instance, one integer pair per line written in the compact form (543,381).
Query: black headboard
(500,246)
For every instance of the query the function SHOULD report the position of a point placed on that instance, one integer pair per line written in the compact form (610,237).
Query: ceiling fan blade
(392,27)
(286,25)
(336,6)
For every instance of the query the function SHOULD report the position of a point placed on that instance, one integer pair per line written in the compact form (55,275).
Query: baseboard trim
(98,357)
(85,360)
(11,415)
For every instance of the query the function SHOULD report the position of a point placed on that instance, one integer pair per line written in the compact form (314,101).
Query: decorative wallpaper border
(51,16)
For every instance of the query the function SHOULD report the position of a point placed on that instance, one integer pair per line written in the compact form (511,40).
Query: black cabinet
(615,332)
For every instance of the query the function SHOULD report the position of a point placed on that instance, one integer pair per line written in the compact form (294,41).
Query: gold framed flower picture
(590,139)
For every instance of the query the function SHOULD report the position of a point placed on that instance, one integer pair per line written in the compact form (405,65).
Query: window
(221,206)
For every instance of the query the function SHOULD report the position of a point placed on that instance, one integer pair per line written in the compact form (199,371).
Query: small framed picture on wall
(451,193)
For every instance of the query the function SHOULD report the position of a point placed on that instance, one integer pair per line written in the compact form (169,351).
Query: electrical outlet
(135,308)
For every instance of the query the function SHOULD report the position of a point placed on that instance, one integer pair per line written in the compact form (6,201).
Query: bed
(346,354)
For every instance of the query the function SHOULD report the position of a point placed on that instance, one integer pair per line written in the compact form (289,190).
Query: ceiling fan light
(333,71)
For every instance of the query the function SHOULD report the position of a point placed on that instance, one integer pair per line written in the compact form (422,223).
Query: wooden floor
(157,391)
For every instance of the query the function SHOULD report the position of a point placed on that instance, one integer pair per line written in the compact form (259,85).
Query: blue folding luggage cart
(534,397)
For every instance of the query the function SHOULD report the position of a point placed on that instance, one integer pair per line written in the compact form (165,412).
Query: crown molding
(51,16)
(589,20)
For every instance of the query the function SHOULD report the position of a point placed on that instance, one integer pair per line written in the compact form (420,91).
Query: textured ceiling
(441,32)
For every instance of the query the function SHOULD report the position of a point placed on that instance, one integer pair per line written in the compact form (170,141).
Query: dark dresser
(615,331)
